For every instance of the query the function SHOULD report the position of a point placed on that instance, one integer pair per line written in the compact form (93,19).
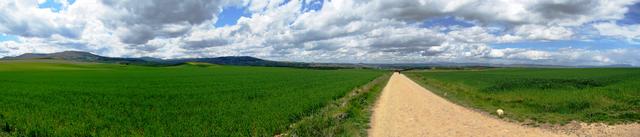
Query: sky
(551,32)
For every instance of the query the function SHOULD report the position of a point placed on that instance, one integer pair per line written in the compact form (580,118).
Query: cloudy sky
(559,32)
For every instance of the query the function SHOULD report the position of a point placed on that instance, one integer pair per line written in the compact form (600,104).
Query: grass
(200,64)
(608,95)
(348,116)
(63,99)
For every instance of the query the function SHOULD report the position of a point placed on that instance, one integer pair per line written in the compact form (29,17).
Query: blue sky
(446,21)
(632,16)
(554,45)
(230,15)
(596,32)
(5,37)
(54,6)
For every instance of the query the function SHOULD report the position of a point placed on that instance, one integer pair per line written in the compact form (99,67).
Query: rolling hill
(89,57)
(80,57)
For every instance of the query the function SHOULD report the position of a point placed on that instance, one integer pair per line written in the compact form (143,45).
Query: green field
(347,117)
(84,99)
(609,95)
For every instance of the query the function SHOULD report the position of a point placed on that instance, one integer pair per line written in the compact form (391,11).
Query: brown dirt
(597,129)
(405,109)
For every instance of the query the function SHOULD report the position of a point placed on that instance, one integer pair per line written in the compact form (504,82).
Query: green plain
(561,95)
(84,99)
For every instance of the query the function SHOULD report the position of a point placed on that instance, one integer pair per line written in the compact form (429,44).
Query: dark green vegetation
(348,116)
(78,56)
(88,99)
(81,57)
(610,95)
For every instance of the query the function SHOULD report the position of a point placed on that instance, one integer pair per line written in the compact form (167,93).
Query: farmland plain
(608,95)
(87,99)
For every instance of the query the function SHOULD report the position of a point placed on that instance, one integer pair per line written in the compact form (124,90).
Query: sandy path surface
(405,109)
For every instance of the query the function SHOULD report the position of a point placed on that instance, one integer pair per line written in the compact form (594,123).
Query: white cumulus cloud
(376,31)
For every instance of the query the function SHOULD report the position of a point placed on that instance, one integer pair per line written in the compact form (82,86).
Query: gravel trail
(405,109)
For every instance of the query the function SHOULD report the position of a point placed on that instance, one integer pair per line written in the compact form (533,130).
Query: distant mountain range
(80,57)
(229,60)
(252,61)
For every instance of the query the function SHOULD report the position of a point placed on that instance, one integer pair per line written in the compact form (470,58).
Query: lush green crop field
(610,95)
(63,99)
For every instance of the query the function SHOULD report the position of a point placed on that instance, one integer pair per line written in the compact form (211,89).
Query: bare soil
(405,109)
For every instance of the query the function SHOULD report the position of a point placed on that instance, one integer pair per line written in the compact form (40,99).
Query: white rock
(500,112)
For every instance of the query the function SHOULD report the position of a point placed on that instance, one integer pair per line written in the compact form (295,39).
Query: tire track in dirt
(406,109)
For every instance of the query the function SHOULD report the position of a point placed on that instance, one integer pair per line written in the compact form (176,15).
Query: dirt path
(405,109)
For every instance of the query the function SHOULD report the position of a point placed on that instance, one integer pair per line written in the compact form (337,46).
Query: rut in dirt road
(405,109)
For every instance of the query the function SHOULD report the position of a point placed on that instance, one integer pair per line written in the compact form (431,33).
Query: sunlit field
(89,99)
(610,95)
